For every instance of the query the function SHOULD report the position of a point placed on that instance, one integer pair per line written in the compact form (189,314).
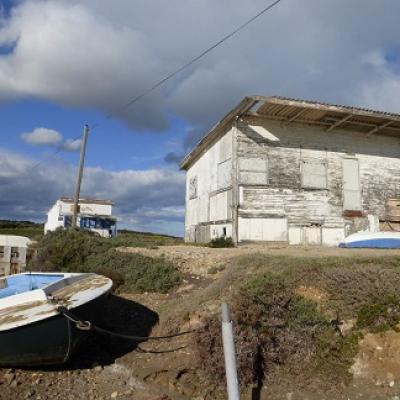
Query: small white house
(94,215)
(13,254)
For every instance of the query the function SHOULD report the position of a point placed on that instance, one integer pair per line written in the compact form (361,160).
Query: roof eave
(246,104)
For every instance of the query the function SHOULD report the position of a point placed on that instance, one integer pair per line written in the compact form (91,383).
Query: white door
(351,185)
(312,235)
(263,229)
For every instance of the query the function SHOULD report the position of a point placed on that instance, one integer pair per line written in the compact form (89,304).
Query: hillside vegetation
(29,229)
(299,320)
(82,251)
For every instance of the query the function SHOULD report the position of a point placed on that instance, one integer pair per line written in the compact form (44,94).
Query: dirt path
(201,260)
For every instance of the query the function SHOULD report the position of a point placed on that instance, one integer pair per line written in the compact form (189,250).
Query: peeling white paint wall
(308,183)
(296,183)
(212,205)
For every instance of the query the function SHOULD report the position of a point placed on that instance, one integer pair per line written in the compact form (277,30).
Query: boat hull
(383,243)
(51,341)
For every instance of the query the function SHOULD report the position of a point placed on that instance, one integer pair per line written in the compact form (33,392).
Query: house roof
(296,111)
(14,241)
(87,201)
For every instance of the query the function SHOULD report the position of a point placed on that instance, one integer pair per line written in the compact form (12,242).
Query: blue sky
(65,63)
(111,145)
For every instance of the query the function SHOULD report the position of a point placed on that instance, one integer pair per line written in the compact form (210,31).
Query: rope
(88,326)
(142,350)
(140,338)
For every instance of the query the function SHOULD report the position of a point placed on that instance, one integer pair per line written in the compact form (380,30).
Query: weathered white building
(278,169)
(13,251)
(94,215)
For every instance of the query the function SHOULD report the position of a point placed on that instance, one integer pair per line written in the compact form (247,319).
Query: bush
(380,315)
(288,316)
(66,250)
(139,273)
(221,242)
(82,251)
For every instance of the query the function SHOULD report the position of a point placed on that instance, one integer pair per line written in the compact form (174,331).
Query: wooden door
(351,185)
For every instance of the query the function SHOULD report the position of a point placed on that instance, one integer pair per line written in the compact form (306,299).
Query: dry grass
(283,329)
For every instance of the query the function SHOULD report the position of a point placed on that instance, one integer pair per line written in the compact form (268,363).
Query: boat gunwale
(39,304)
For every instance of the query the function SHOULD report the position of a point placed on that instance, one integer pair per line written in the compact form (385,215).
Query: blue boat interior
(13,285)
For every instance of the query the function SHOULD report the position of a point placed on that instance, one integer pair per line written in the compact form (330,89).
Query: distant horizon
(41,224)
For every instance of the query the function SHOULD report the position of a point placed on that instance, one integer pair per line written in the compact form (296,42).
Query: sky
(67,63)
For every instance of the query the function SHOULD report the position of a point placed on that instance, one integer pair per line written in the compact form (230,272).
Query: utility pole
(79,178)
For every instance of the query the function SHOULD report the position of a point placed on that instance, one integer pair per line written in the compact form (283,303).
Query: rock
(391,383)
(114,395)
(346,326)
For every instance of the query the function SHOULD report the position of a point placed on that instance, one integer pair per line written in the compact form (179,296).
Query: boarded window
(193,188)
(313,174)
(14,252)
(224,174)
(253,170)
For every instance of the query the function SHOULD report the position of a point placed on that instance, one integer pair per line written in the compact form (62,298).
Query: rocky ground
(108,368)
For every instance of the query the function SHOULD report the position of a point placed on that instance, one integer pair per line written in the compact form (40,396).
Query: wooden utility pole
(79,178)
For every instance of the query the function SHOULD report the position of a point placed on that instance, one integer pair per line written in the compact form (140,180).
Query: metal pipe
(232,382)
(79,178)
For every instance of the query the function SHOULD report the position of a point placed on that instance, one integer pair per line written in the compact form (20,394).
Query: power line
(193,60)
(177,71)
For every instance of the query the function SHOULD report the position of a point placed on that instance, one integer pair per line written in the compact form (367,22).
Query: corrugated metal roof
(290,110)
(348,108)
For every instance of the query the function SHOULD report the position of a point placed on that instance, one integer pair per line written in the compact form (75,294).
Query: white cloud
(72,145)
(27,192)
(93,54)
(42,136)
(160,212)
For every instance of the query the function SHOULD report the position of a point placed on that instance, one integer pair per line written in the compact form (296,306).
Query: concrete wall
(13,255)
(53,222)
(303,181)
(209,193)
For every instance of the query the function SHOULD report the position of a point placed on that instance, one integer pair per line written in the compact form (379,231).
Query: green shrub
(221,242)
(66,250)
(380,314)
(82,251)
(139,273)
(277,328)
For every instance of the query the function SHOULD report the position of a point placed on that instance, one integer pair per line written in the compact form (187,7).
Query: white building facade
(285,170)
(13,252)
(93,215)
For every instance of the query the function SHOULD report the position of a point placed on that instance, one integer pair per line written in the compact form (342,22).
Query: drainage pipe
(229,354)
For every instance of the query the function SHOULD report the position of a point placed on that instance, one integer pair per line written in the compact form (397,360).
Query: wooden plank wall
(283,195)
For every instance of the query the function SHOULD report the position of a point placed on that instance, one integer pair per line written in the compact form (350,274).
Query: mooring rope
(88,326)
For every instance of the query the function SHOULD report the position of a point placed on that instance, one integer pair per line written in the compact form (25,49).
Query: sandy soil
(199,260)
